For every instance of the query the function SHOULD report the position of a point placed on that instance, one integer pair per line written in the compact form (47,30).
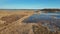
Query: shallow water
(43,16)
(53,18)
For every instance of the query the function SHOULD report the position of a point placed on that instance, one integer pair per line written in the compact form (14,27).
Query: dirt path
(13,25)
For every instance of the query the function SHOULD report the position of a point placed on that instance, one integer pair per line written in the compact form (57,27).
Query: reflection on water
(44,16)
(47,19)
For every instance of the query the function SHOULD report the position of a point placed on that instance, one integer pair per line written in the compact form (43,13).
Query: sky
(29,4)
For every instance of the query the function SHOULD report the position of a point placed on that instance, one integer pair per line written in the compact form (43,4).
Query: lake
(43,16)
(52,18)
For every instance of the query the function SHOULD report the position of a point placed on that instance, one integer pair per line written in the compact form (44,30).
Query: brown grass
(11,23)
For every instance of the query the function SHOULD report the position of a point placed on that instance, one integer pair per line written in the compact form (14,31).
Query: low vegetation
(9,24)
